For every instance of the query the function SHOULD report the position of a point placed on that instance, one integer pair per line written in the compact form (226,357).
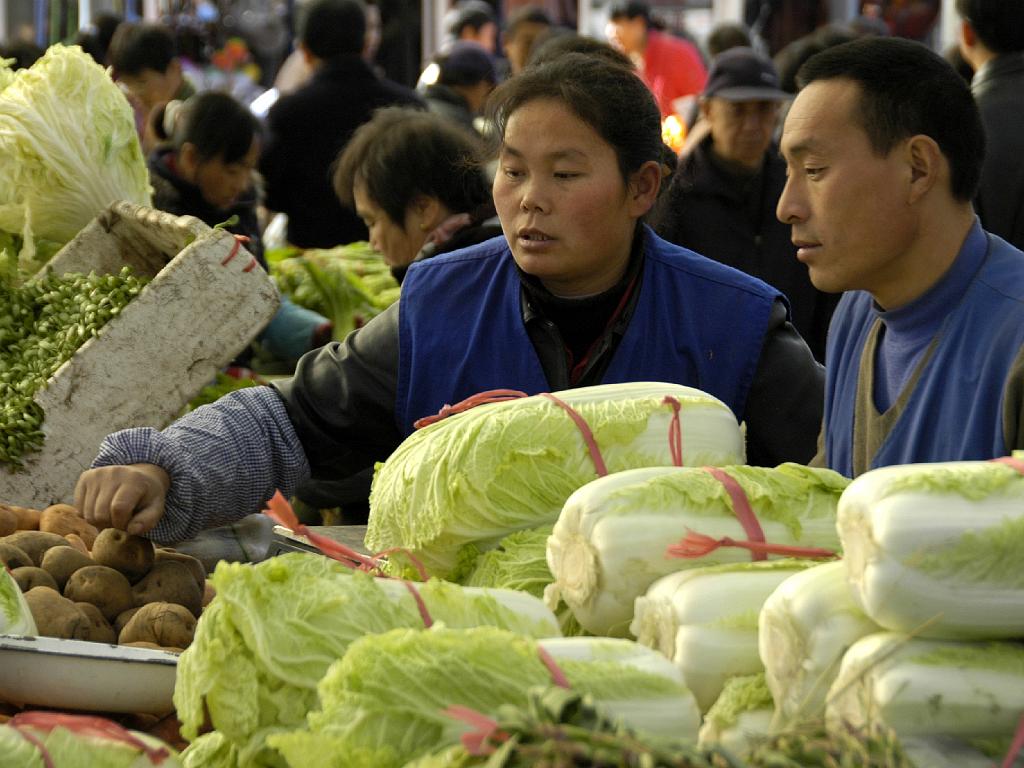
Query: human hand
(129,497)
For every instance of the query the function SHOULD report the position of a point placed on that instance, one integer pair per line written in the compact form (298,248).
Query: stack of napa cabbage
(932,556)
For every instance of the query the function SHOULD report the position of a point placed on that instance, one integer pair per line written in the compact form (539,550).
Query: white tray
(95,677)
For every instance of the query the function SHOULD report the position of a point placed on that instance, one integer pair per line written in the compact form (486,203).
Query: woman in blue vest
(577,292)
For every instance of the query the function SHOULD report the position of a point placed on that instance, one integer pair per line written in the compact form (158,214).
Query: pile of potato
(105,586)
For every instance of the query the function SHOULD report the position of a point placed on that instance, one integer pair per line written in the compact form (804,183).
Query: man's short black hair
(999,24)
(905,90)
(138,47)
(331,28)
(469,13)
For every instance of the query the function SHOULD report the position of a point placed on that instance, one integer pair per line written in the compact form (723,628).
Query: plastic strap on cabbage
(279,510)
(480,398)
(88,726)
(695,545)
(584,428)
(44,753)
(484,729)
(675,431)
(1011,461)
(1017,747)
(422,606)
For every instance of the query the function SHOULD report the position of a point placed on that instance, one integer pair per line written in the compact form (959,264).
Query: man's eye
(566,175)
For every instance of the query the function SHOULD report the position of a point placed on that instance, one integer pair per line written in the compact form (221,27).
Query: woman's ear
(427,212)
(642,190)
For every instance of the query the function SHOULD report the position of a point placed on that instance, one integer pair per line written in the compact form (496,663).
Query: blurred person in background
(145,62)
(992,42)
(307,128)
(24,52)
(474,21)
(558,42)
(524,28)
(95,39)
(726,35)
(205,168)
(465,77)
(721,201)
(671,67)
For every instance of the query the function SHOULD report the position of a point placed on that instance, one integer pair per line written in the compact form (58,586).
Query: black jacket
(998,88)
(731,218)
(305,132)
(445,101)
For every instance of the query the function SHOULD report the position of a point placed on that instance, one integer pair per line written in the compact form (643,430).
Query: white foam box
(208,298)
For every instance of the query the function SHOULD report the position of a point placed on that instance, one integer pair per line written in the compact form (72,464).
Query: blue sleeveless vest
(461,331)
(956,410)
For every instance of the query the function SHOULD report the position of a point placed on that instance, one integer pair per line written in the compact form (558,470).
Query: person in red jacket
(672,67)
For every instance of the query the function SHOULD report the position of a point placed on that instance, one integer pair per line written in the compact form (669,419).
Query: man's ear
(968,37)
(307,55)
(642,190)
(927,164)
(188,161)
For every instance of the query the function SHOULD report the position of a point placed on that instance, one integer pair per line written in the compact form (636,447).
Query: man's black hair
(217,125)
(905,90)
(331,28)
(469,13)
(629,9)
(999,24)
(138,47)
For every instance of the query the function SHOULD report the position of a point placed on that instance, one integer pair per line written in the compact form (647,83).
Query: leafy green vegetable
(267,639)
(223,384)
(478,476)
(990,556)
(64,748)
(349,284)
(383,703)
(15,616)
(518,562)
(740,716)
(68,147)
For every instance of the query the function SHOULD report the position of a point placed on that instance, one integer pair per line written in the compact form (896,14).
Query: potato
(61,562)
(28,519)
(165,624)
(104,587)
(123,618)
(209,592)
(170,582)
(56,616)
(35,543)
(100,630)
(131,555)
(13,557)
(30,577)
(77,542)
(8,522)
(197,568)
(63,519)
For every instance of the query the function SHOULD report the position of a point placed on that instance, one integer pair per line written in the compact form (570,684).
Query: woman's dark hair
(404,153)
(218,126)
(556,42)
(728,35)
(907,89)
(609,98)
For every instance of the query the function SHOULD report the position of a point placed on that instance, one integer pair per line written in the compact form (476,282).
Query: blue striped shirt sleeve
(224,460)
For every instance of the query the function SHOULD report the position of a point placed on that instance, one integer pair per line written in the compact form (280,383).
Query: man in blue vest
(884,148)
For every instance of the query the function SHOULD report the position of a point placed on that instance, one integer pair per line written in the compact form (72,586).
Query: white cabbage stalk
(938,543)
(705,620)
(677,716)
(480,475)
(968,690)
(609,543)
(15,616)
(805,627)
(68,147)
(740,716)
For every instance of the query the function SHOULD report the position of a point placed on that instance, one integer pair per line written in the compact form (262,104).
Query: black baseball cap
(742,74)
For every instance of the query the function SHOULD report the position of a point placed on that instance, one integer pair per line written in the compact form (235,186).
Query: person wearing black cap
(465,77)
(473,20)
(721,201)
